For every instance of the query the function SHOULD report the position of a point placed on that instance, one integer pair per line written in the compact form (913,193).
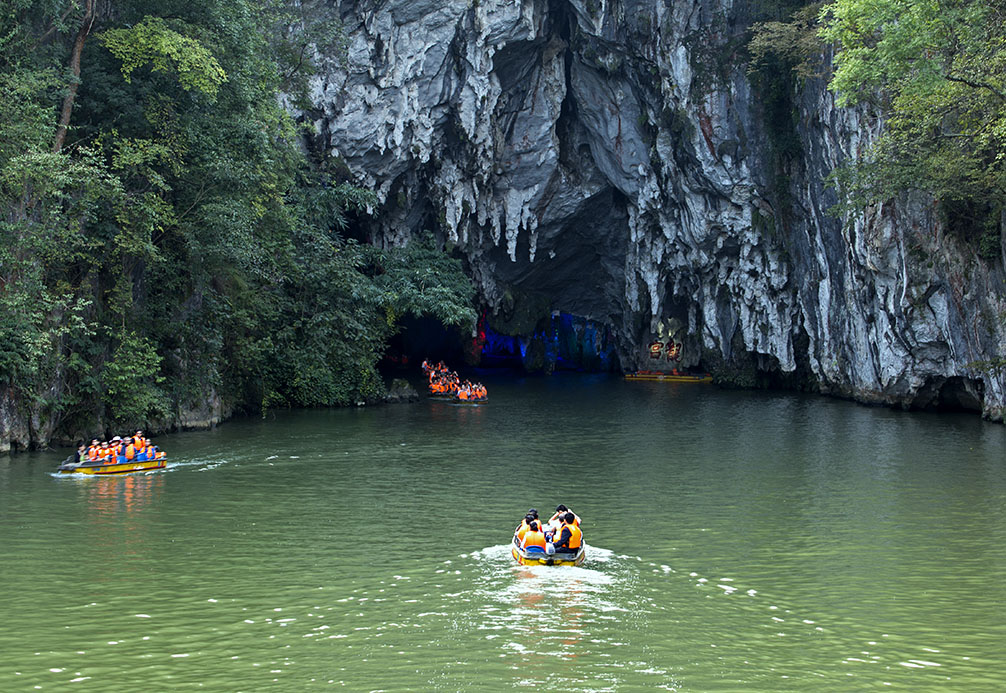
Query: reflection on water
(751,542)
(113,498)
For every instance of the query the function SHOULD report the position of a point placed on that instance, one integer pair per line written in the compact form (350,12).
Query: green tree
(935,70)
(131,379)
(164,237)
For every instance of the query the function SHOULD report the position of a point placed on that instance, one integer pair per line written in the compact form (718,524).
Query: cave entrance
(560,341)
(424,338)
(954,394)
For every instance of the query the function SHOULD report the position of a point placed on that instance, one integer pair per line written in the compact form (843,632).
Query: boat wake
(595,585)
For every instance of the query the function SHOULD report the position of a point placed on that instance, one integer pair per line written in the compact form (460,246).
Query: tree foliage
(152,42)
(179,240)
(936,72)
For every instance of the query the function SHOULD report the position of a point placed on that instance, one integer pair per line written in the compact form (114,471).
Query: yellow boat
(535,556)
(101,469)
(670,377)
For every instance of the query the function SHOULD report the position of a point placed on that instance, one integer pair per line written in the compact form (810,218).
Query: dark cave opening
(953,394)
(562,342)
(423,338)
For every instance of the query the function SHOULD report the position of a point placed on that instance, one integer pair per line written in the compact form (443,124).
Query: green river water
(737,541)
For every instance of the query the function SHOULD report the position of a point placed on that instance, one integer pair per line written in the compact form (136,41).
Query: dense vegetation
(163,238)
(935,71)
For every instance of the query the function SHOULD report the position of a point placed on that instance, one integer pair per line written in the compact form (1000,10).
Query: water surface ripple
(736,541)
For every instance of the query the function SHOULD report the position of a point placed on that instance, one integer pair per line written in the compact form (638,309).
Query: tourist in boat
(530,517)
(524,526)
(534,536)
(81,452)
(94,450)
(128,449)
(556,519)
(570,537)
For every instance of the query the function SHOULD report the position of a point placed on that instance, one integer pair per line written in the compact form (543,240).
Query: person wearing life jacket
(140,443)
(104,453)
(570,538)
(556,519)
(92,452)
(153,453)
(522,528)
(534,536)
(128,449)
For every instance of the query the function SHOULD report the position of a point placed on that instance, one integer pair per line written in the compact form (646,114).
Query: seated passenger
(533,537)
(556,519)
(523,527)
(128,449)
(94,450)
(570,537)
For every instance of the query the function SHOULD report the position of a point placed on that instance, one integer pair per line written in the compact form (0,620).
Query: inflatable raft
(534,555)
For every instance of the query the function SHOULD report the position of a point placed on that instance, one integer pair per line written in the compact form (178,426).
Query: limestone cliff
(617,157)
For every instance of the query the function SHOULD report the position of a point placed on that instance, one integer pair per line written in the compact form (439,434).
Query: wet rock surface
(401,392)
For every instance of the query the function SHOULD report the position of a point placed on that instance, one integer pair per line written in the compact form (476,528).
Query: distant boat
(670,377)
(118,467)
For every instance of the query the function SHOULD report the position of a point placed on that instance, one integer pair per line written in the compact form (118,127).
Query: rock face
(401,392)
(617,157)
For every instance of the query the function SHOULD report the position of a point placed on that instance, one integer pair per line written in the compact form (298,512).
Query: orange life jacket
(533,539)
(92,453)
(130,452)
(576,536)
(522,529)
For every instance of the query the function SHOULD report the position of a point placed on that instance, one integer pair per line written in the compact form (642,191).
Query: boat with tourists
(534,555)
(670,377)
(446,385)
(556,542)
(117,467)
(118,456)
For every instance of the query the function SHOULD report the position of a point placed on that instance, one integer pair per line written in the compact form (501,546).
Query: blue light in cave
(571,343)
(500,347)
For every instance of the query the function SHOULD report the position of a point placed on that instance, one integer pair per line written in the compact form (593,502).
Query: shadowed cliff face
(617,158)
